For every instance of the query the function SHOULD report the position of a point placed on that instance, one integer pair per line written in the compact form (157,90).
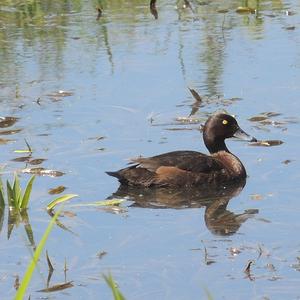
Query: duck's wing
(178,168)
(192,161)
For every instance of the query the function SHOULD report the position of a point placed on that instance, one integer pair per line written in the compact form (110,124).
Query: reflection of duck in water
(218,219)
(191,168)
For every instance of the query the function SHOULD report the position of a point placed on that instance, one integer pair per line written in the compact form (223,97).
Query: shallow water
(126,78)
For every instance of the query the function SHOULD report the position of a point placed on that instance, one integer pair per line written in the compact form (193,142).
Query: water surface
(126,78)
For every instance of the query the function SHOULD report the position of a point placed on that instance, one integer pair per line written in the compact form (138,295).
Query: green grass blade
(208,294)
(110,202)
(61,199)
(17,192)
(26,196)
(28,274)
(9,191)
(112,284)
(2,202)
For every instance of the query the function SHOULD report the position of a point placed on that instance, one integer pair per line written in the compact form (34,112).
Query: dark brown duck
(191,168)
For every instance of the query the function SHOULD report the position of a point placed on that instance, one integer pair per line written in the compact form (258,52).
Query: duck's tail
(114,174)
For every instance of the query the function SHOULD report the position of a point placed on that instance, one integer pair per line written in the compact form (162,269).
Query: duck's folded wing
(185,160)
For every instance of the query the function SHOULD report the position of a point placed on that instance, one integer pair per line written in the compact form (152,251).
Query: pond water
(88,94)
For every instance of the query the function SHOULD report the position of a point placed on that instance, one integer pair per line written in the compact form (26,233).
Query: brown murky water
(87,94)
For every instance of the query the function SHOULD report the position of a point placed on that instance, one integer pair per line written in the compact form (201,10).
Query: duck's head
(220,127)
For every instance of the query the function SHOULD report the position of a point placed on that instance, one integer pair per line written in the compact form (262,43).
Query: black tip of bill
(241,134)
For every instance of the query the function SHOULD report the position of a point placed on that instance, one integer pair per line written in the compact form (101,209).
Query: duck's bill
(241,134)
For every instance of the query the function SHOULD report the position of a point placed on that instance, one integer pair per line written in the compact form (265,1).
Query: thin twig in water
(247,270)
(65,270)
(28,146)
(17,282)
(153,9)
(260,251)
(99,13)
(206,258)
(50,266)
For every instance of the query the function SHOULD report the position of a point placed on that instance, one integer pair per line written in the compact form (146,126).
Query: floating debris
(258,118)
(114,209)
(101,254)
(56,96)
(268,143)
(296,266)
(256,197)
(188,120)
(271,267)
(5,141)
(245,10)
(68,213)
(9,132)
(22,159)
(222,11)
(7,121)
(38,101)
(57,190)
(197,97)
(286,162)
(265,119)
(43,172)
(290,28)
(264,116)
(36,161)
(17,283)
(97,138)
(57,287)
(272,114)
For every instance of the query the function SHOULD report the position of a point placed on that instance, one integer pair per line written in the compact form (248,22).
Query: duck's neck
(219,150)
(214,145)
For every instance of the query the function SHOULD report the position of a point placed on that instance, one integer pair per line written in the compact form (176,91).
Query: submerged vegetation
(33,263)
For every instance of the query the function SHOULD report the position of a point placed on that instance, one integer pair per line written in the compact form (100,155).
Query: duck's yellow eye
(225,122)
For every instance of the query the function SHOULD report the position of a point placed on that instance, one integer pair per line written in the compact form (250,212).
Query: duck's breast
(232,165)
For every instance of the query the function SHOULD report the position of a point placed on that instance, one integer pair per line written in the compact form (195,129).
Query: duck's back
(192,161)
(175,168)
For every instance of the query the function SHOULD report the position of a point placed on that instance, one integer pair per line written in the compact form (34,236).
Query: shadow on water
(218,219)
